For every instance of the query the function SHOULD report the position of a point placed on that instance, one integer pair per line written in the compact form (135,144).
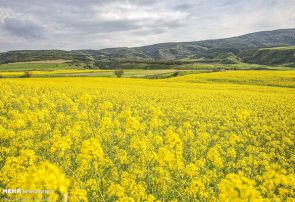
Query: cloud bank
(96,24)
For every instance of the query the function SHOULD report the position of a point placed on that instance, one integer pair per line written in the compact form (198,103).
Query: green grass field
(239,66)
(61,68)
(34,66)
(134,73)
(280,48)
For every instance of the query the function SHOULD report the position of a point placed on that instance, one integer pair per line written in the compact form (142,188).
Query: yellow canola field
(264,78)
(62,71)
(108,139)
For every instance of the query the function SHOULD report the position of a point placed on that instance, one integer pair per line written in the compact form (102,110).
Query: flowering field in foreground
(104,139)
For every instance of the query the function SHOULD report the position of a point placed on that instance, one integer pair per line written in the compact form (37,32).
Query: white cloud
(77,24)
(123,11)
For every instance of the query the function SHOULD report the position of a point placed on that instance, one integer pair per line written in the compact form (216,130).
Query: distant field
(94,73)
(239,66)
(280,48)
(34,66)
(264,78)
(52,72)
(60,68)
(50,65)
(43,62)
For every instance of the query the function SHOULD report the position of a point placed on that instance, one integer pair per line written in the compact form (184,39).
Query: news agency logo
(11,191)
(25,191)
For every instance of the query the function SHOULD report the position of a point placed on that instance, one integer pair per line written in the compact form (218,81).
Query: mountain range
(268,47)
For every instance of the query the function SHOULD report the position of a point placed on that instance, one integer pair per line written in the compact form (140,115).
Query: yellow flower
(236,187)
(214,157)
(191,170)
(176,139)
(78,195)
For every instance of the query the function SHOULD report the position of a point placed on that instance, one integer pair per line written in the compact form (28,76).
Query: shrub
(175,74)
(119,73)
(27,74)
(218,70)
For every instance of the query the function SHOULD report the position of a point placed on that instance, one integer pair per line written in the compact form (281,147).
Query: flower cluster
(104,139)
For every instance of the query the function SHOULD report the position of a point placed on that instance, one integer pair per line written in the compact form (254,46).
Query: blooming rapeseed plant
(180,139)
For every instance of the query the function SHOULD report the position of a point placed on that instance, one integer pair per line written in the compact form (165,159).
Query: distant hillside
(209,48)
(284,56)
(37,55)
(250,48)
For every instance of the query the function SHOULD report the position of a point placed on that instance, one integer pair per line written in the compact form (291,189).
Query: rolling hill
(258,48)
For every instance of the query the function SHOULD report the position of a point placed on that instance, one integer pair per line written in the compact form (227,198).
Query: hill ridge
(236,49)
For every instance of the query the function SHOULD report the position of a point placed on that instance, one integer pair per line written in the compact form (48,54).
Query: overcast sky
(96,24)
